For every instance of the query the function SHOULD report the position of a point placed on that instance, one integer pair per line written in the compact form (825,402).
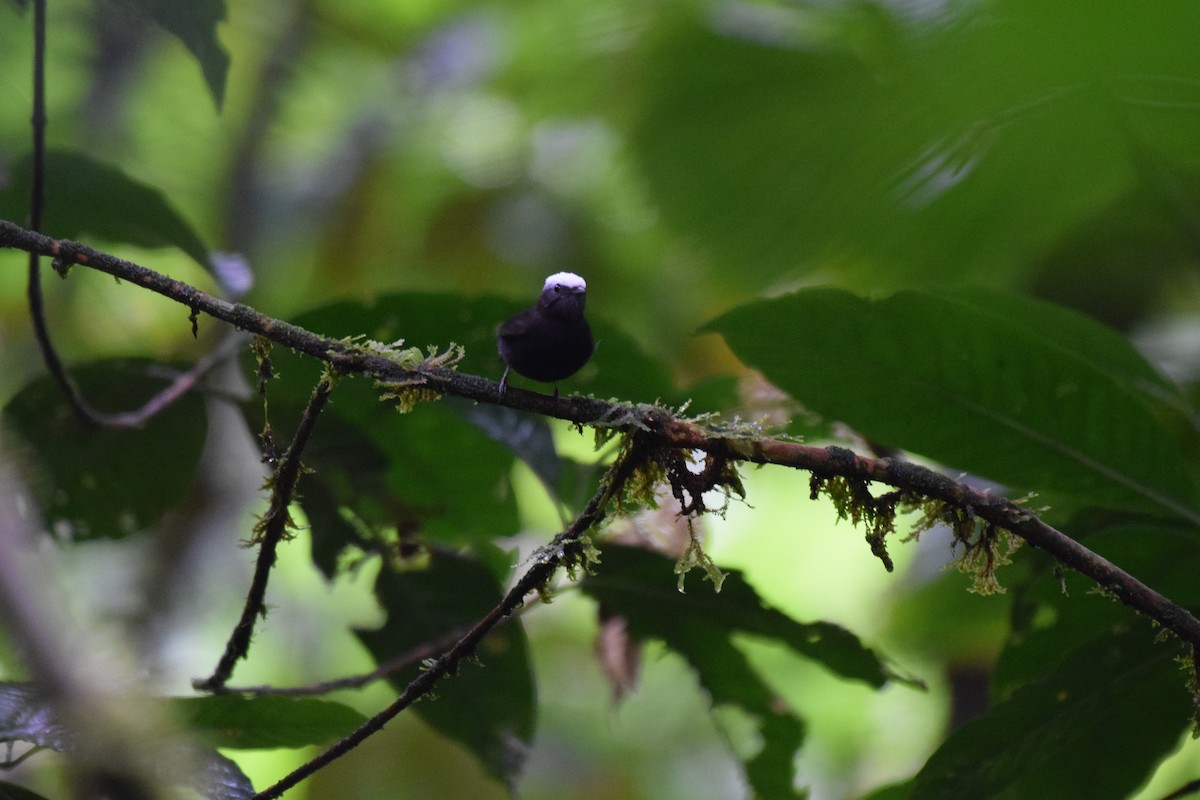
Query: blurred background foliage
(415,168)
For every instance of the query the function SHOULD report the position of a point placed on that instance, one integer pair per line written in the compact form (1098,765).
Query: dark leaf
(10,791)
(446,475)
(220,778)
(345,495)
(1017,390)
(1057,737)
(528,436)
(195,24)
(1056,614)
(96,482)
(641,587)
(245,723)
(895,791)
(427,474)
(489,706)
(85,198)
(26,716)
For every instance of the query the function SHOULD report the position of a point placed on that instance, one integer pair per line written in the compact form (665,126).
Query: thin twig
(270,531)
(12,763)
(406,659)
(413,655)
(33,291)
(37,208)
(564,548)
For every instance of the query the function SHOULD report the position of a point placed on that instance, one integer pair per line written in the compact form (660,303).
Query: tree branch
(667,430)
(269,532)
(37,207)
(406,659)
(565,549)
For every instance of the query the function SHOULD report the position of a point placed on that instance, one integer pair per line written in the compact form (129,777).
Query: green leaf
(450,477)
(1054,614)
(347,471)
(85,197)
(1008,125)
(894,791)
(195,24)
(488,707)
(641,587)
(528,436)
(267,722)
(1059,737)
(1017,390)
(94,482)
(10,791)
(389,469)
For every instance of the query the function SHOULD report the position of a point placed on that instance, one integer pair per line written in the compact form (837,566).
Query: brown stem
(270,532)
(565,547)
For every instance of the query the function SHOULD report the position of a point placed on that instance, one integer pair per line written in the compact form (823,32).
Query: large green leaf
(1016,390)
(195,24)
(488,707)
(852,136)
(1054,614)
(99,482)
(641,587)
(429,472)
(85,197)
(265,722)
(1060,737)
(443,478)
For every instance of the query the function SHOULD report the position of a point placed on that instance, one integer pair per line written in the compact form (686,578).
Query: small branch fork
(668,430)
(33,291)
(651,428)
(564,550)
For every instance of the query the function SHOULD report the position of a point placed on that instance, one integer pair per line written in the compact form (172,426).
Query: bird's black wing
(518,326)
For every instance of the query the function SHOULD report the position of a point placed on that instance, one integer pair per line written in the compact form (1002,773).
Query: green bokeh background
(685,157)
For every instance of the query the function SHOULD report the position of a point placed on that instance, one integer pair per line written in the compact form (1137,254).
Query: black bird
(552,340)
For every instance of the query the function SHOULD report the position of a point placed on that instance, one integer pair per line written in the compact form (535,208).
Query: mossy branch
(273,528)
(570,549)
(666,431)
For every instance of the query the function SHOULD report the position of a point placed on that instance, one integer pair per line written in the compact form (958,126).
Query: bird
(552,340)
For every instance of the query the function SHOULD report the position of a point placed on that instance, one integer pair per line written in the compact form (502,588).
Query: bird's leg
(504,381)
